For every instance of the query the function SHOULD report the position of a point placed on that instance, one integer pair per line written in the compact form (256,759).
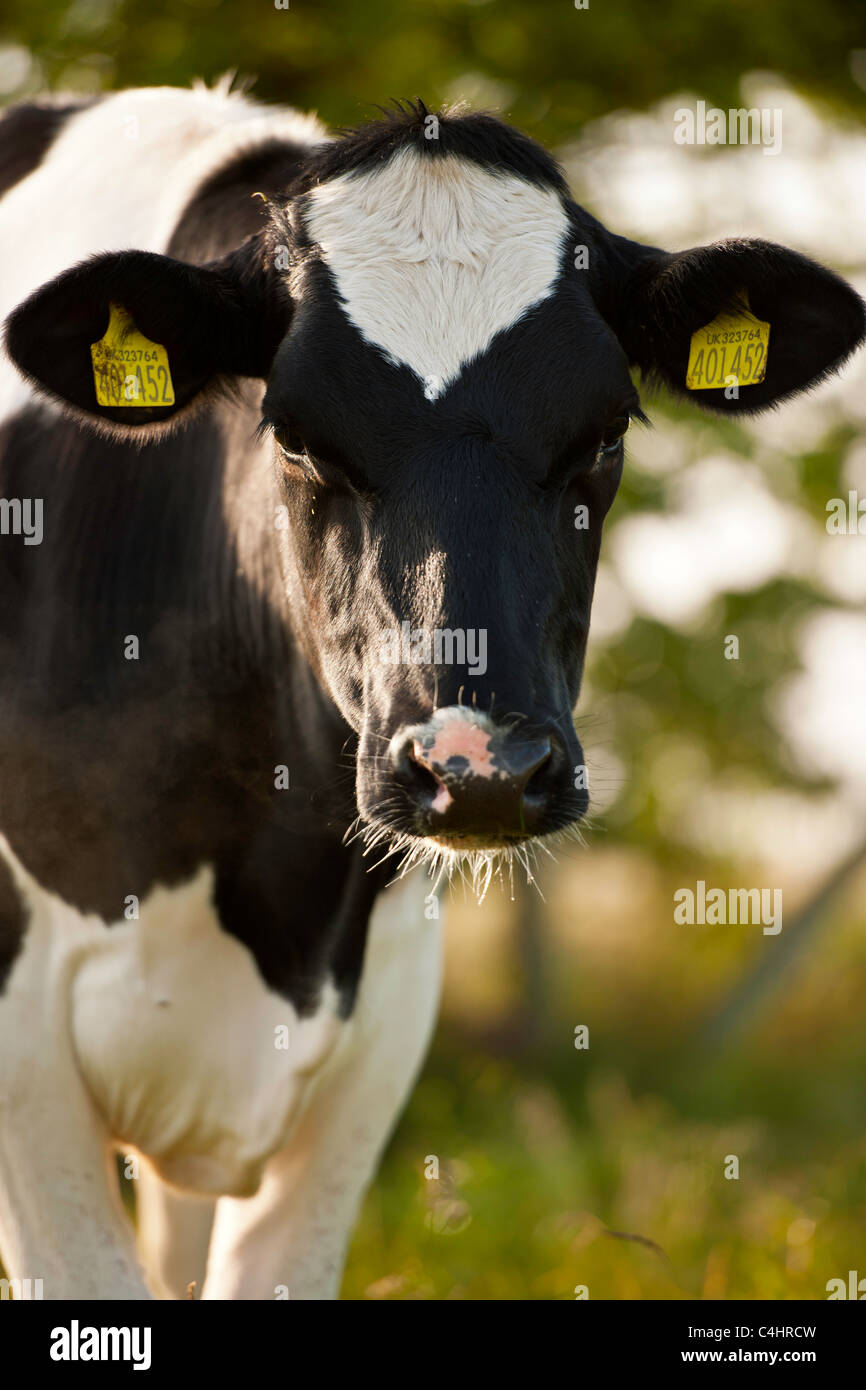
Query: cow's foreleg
(61,1217)
(173,1235)
(290,1239)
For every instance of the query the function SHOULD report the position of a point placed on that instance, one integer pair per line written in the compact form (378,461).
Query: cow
(276,402)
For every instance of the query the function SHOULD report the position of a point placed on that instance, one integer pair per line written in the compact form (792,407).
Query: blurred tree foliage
(549,65)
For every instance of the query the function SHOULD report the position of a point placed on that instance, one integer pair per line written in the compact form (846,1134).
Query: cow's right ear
(131,341)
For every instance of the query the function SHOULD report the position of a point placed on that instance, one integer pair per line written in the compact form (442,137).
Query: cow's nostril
(526,764)
(538,777)
(418,777)
(423,780)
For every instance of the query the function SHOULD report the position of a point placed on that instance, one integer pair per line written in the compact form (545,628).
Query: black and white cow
(394,382)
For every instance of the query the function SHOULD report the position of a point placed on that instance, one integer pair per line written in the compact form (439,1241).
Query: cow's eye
(612,435)
(289,441)
(295,454)
(301,461)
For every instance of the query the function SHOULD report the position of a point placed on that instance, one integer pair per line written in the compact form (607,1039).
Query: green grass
(543,1159)
(535,1178)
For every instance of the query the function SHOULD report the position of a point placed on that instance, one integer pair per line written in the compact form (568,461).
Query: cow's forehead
(433,256)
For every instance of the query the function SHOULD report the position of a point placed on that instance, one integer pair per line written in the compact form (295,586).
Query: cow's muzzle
(467,783)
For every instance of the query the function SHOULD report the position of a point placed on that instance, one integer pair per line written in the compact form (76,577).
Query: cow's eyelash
(298,459)
(274,428)
(270,426)
(581,447)
(631,413)
(335,473)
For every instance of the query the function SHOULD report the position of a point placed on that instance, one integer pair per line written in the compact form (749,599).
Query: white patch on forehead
(434,255)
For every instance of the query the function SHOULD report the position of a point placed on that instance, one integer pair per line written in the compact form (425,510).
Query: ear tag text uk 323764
(730,351)
(128,369)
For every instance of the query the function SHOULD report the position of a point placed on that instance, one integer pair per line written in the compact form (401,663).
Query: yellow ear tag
(128,369)
(730,351)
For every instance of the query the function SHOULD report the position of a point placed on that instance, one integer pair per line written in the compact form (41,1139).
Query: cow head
(446,340)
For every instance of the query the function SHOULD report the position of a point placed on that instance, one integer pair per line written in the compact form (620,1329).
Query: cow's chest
(191,1059)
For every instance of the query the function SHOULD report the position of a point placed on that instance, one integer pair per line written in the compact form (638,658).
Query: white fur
(157,1036)
(174,1230)
(176,1037)
(118,177)
(292,1235)
(433,256)
(61,1219)
(175,1033)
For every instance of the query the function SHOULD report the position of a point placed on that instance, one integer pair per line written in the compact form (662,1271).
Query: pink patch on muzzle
(458,738)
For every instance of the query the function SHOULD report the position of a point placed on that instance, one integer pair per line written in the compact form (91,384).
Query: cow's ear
(131,341)
(814,321)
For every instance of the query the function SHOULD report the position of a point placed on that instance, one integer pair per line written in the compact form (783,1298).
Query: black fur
(224,319)
(816,320)
(471,135)
(13,922)
(225,210)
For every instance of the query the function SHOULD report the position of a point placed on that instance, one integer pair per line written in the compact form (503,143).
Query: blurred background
(603,1165)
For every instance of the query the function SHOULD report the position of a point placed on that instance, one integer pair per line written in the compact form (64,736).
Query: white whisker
(476,869)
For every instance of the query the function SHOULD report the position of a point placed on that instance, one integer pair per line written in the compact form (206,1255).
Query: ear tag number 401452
(128,369)
(730,351)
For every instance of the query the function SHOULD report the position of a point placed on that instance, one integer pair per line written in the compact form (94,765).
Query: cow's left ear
(814,318)
(131,340)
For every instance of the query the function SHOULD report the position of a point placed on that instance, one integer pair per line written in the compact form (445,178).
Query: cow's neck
(148,661)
